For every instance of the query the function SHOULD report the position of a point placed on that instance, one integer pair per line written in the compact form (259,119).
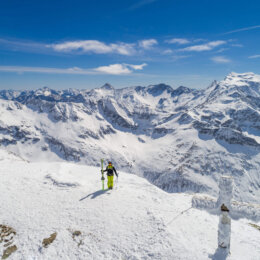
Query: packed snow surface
(134,221)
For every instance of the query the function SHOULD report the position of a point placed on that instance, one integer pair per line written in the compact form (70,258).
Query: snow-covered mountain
(179,139)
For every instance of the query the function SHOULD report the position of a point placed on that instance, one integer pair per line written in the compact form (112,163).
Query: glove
(102,178)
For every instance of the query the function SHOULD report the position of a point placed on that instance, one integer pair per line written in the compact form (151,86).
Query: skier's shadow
(94,194)
(220,254)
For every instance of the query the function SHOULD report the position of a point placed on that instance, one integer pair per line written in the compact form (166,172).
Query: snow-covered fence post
(225,192)
(225,208)
(224,205)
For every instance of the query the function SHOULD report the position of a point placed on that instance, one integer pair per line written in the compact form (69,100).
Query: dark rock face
(234,137)
(181,90)
(157,90)
(185,118)
(228,132)
(16,134)
(68,153)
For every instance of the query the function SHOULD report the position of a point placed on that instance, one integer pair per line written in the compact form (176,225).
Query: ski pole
(116,182)
(102,178)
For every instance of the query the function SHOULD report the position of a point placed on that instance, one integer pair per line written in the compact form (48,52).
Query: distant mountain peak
(45,88)
(250,76)
(107,86)
(181,90)
(158,89)
(245,74)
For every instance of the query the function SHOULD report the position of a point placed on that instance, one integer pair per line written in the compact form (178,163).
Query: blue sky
(84,44)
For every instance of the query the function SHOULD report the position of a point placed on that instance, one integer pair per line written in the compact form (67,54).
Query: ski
(102,178)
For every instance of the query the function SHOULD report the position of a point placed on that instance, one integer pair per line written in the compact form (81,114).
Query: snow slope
(134,221)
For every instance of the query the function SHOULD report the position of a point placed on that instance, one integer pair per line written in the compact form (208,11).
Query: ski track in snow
(134,221)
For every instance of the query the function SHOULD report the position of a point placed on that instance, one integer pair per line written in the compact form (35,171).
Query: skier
(110,169)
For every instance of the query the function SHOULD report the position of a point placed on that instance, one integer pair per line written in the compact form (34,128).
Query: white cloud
(113,69)
(94,46)
(204,47)
(243,29)
(237,45)
(168,51)
(178,41)
(254,56)
(123,48)
(200,40)
(21,69)
(79,47)
(147,44)
(23,45)
(137,67)
(141,4)
(220,59)
(222,50)
(119,69)
(180,57)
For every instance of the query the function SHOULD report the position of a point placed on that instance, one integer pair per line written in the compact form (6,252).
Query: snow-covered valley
(136,220)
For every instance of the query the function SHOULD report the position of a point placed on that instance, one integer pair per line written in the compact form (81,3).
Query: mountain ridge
(179,139)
